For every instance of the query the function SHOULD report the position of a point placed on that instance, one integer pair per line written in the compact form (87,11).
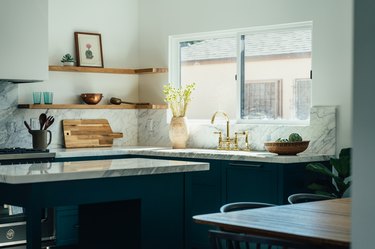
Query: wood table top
(321,223)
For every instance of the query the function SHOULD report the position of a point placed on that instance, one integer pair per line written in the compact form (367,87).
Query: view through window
(258,74)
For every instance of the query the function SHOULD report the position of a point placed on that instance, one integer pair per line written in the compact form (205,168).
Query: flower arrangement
(178,98)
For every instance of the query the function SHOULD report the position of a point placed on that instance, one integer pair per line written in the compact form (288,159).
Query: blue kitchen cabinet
(236,181)
(251,181)
(66,225)
(266,182)
(67,217)
(203,194)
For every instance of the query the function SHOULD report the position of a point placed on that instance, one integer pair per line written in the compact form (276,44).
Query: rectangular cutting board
(84,133)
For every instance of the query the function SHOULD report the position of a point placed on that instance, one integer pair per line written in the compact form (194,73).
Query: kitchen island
(234,176)
(154,189)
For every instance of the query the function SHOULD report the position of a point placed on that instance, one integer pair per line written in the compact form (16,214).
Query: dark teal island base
(138,211)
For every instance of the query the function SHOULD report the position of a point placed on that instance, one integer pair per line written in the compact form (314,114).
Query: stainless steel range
(18,155)
(13,218)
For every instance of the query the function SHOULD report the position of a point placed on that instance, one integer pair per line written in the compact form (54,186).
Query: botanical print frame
(89,51)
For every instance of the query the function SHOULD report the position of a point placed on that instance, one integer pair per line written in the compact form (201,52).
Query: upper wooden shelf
(107,70)
(84,106)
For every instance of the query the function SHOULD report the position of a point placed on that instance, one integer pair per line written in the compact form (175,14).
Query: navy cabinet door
(251,181)
(66,225)
(203,192)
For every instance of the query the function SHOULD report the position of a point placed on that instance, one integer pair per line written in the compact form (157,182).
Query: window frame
(174,75)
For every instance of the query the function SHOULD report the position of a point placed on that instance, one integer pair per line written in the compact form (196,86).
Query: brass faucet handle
(220,141)
(246,134)
(235,141)
(241,133)
(219,132)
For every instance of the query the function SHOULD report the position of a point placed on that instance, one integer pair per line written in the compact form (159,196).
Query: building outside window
(255,75)
(262,99)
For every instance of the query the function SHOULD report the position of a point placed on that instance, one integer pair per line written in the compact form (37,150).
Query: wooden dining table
(321,224)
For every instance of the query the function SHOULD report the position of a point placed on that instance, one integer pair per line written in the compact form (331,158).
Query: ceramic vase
(178,132)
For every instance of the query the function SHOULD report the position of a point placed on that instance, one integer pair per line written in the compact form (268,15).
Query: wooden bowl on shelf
(286,148)
(91,98)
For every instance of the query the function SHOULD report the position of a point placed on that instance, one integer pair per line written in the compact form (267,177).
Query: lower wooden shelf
(84,106)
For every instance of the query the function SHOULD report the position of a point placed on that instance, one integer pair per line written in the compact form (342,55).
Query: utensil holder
(40,140)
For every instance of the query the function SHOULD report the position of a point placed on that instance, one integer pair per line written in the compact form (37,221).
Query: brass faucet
(228,143)
(226,117)
(227,139)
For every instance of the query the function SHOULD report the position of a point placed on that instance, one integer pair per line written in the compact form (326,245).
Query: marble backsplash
(150,127)
(15,134)
(153,130)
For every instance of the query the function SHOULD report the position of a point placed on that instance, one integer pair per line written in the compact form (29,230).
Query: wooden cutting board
(83,133)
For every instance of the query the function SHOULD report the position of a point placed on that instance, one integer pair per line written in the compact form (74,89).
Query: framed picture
(88,49)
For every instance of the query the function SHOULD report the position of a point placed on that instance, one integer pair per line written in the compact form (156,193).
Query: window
(258,74)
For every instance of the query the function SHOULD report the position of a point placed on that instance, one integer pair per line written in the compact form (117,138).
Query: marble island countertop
(62,171)
(258,156)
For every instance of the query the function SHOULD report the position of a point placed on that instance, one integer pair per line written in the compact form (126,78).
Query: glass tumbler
(48,97)
(37,97)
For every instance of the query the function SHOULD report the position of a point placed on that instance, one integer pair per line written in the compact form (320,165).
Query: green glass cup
(37,97)
(48,98)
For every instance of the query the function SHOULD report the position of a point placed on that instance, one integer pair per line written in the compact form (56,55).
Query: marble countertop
(62,171)
(255,156)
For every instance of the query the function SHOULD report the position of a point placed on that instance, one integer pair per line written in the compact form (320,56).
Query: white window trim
(174,75)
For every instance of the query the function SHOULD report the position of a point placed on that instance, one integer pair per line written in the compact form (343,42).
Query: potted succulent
(67,60)
(178,100)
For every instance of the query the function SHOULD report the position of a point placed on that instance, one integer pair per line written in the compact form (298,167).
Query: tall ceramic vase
(178,132)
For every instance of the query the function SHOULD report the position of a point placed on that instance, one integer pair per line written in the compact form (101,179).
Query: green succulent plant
(295,137)
(340,183)
(67,58)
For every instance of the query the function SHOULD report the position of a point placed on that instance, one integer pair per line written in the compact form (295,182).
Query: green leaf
(320,168)
(316,186)
(342,164)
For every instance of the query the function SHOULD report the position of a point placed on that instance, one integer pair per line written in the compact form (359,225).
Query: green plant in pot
(68,60)
(340,179)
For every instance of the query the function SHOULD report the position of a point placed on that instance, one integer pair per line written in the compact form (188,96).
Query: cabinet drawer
(251,182)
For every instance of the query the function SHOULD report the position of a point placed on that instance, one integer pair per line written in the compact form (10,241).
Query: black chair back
(228,240)
(236,206)
(306,197)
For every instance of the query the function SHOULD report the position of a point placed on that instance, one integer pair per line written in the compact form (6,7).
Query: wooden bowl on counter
(91,98)
(286,148)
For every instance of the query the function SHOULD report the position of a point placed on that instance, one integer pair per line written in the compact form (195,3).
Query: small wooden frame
(89,51)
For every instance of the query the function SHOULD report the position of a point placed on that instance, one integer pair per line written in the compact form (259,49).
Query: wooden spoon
(27,126)
(42,120)
(117,101)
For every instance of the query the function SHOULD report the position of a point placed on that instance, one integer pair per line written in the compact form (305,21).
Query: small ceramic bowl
(91,98)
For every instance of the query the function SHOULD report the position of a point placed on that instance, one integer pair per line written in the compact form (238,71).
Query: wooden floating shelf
(107,70)
(84,106)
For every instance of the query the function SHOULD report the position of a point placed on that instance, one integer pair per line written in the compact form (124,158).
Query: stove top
(24,155)
(17,150)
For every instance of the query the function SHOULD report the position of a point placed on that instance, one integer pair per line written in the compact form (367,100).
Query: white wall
(117,22)
(332,41)
(363,229)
